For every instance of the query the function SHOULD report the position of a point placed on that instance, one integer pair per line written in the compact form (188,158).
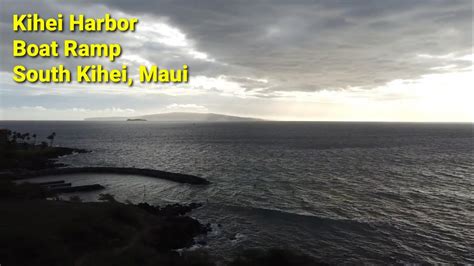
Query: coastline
(72,232)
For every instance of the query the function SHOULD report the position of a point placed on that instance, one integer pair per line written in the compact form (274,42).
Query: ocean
(340,192)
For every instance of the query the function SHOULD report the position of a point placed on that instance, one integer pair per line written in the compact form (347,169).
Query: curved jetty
(84,188)
(180,178)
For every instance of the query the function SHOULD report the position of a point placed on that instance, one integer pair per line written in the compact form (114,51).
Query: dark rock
(202,242)
(173,232)
(169,210)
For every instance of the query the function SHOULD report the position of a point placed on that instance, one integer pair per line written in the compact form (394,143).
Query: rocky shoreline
(39,228)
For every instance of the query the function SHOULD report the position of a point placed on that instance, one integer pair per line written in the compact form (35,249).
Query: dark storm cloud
(312,45)
(301,45)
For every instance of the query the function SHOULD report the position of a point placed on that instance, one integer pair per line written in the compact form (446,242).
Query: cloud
(30,108)
(51,113)
(185,108)
(112,110)
(297,46)
(320,45)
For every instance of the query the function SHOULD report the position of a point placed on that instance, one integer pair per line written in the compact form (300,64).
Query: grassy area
(50,232)
(31,157)
(19,152)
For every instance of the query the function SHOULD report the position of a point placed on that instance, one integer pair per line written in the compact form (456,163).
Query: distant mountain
(117,118)
(180,117)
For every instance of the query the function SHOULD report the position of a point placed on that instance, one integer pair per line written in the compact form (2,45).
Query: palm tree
(22,137)
(14,137)
(51,138)
(43,145)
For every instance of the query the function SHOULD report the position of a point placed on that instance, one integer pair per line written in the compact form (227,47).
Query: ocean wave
(301,217)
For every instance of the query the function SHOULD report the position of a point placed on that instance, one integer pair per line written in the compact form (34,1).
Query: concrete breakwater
(176,177)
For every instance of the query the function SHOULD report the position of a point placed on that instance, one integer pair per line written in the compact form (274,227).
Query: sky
(319,60)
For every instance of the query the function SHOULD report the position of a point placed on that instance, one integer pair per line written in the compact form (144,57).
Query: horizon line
(262,120)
